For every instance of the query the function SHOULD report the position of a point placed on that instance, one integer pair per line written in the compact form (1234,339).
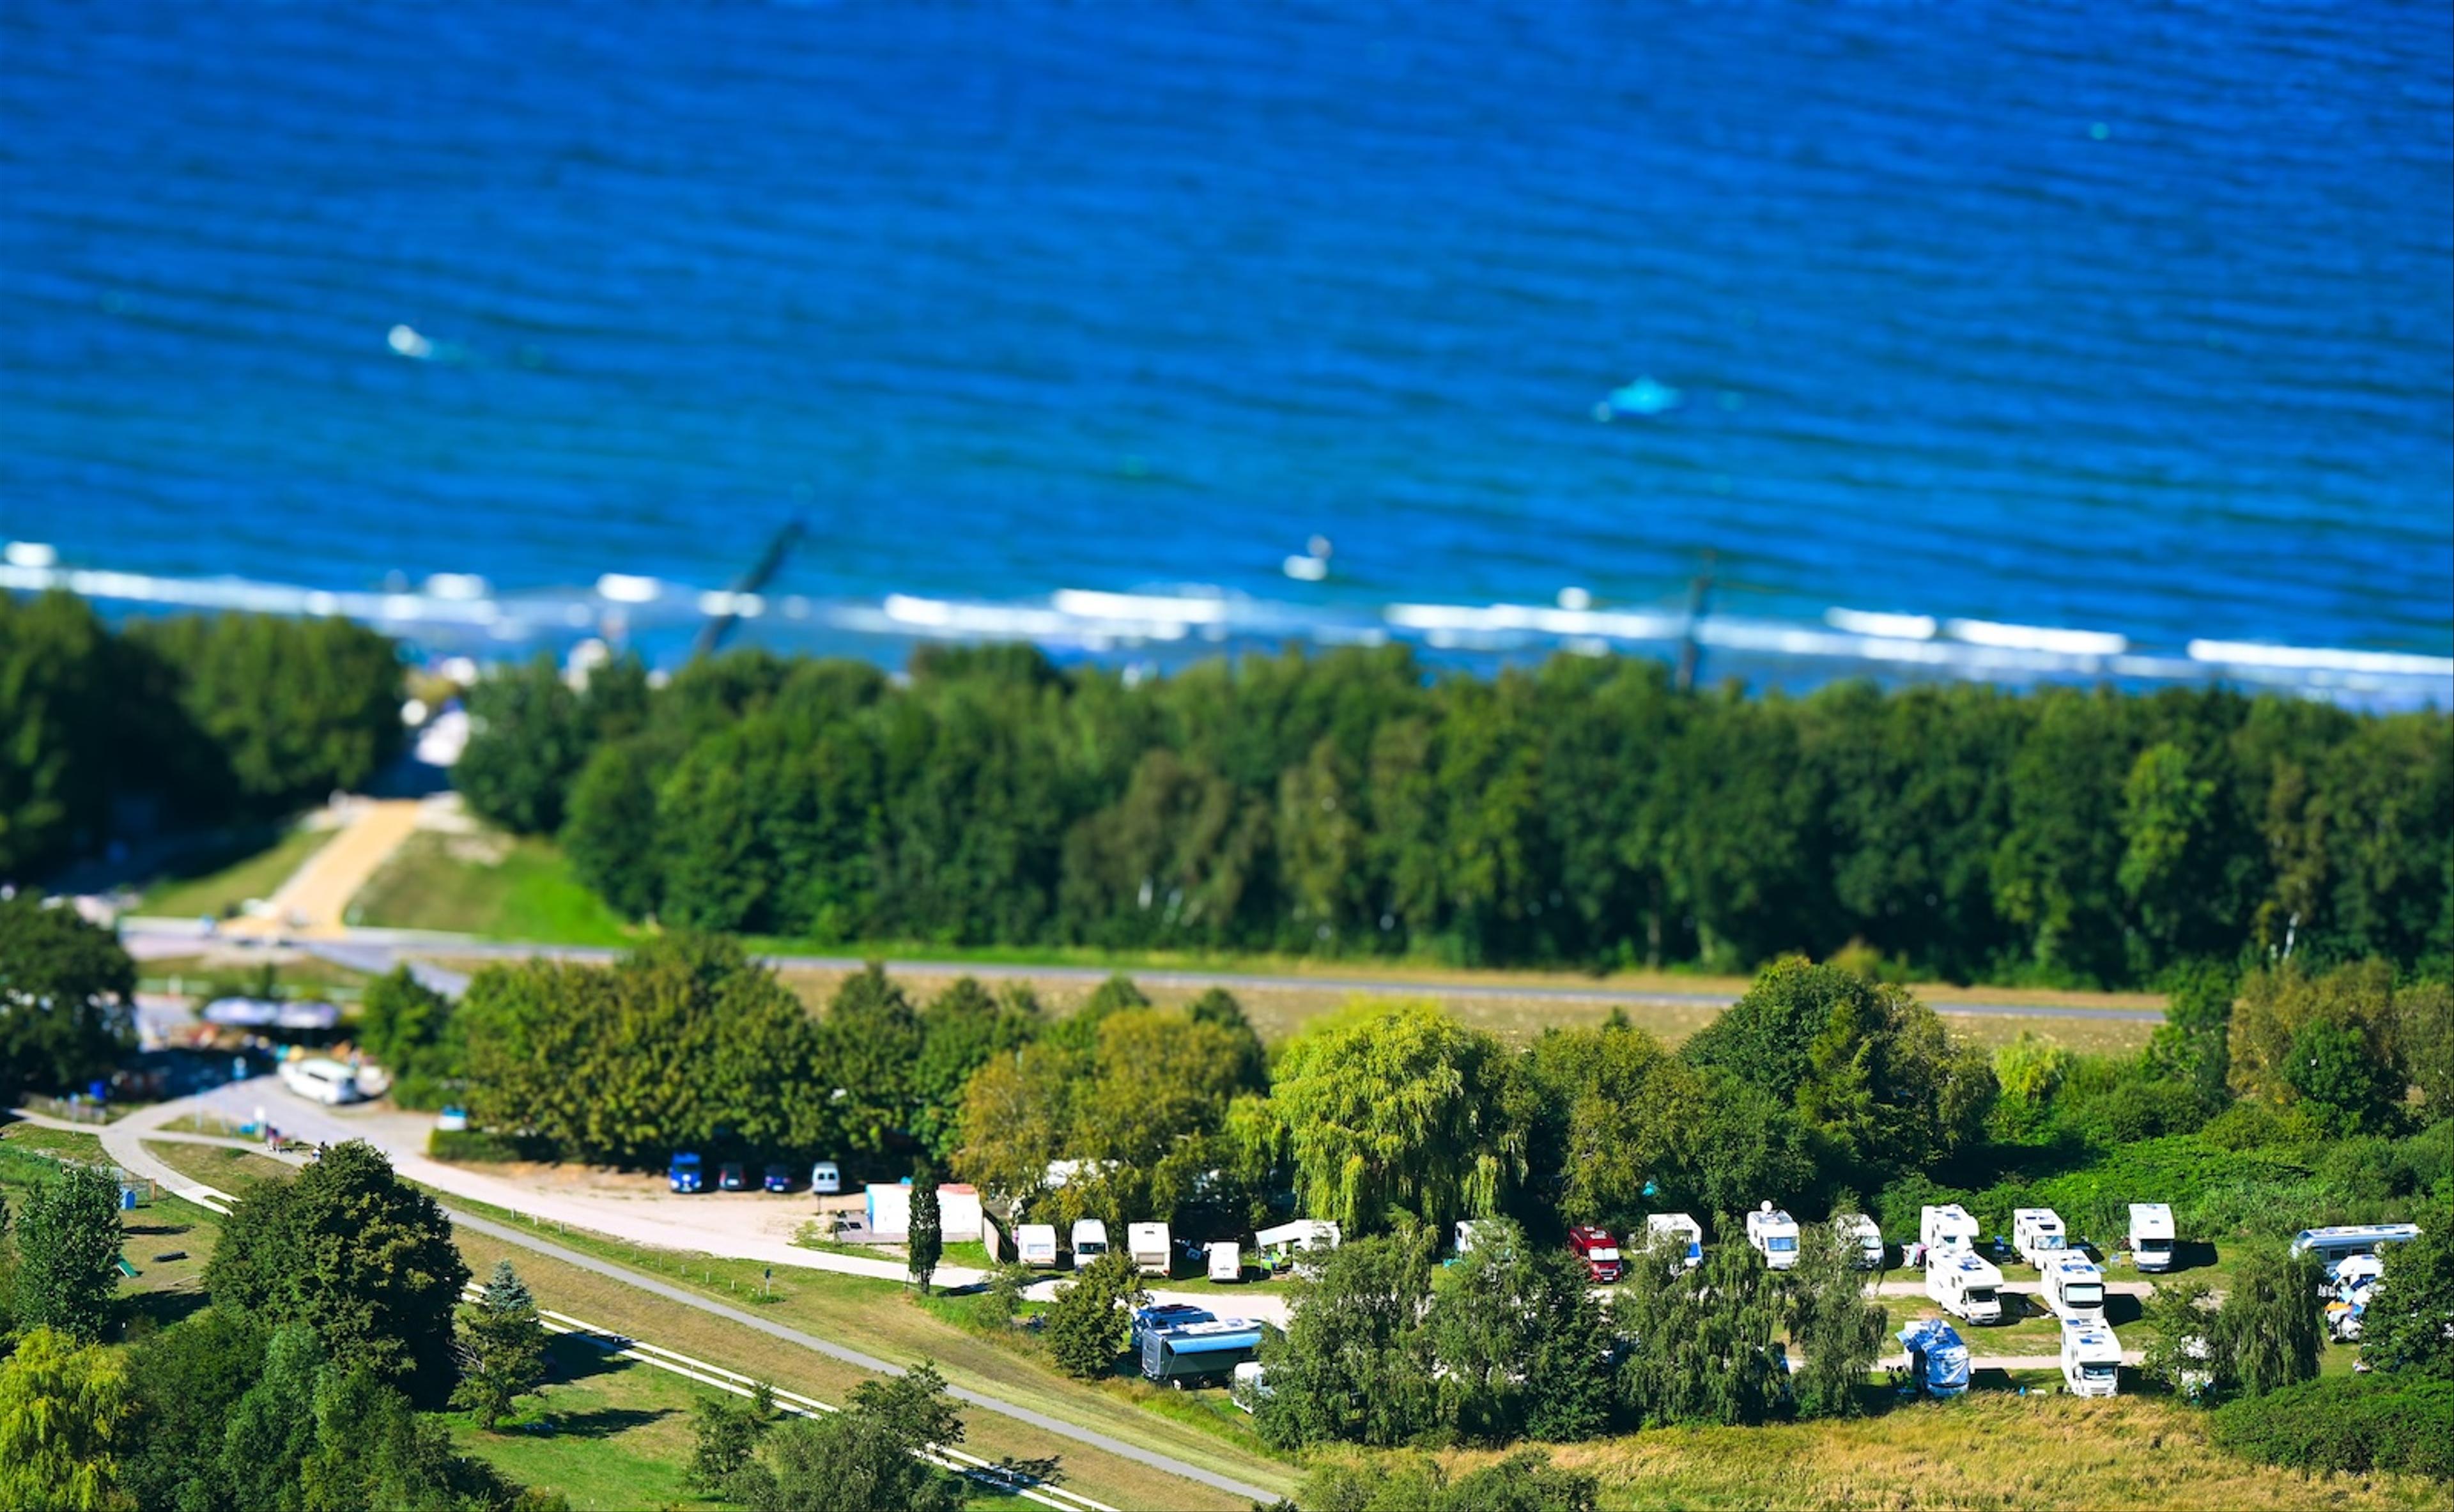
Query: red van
(1599,1252)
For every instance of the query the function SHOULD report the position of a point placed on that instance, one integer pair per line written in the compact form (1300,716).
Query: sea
(2035,341)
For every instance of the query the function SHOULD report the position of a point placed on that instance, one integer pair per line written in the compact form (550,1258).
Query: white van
(1945,1227)
(2073,1288)
(318,1080)
(2151,1236)
(2091,1361)
(2038,1234)
(1148,1244)
(1863,1237)
(1034,1244)
(1965,1285)
(1226,1262)
(826,1179)
(1773,1234)
(1683,1234)
(1089,1241)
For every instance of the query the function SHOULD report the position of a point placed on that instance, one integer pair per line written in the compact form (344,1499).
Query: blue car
(684,1174)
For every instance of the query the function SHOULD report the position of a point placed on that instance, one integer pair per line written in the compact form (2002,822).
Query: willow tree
(1396,1108)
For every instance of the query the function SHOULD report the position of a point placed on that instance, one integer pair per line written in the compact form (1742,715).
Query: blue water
(2128,319)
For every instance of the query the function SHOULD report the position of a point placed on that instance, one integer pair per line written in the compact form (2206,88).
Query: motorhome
(1034,1244)
(1773,1234)
(2335,1245)
(2073,1287)
(1304,1236)
(1184,1346)
(1937,1359)
(1945,1227)
(1599,1252)
(1226,1262)
(1089,1241)
(318,1080)
(2038,1234)
(2151,1236)
(1148,1244)
(1965,1285)
(2091,1359)
(888,1208)
(1683,1234)
(1864,1238)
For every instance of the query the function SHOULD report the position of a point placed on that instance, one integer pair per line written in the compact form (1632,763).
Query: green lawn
(298,977)
(497,886)
(163,1290)
(234,881)
(606,1432)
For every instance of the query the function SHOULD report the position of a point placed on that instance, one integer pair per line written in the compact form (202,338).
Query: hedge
(2352,1423)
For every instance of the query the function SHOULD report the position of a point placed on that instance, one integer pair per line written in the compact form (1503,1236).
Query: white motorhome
(1464,1235)
(1090,1238)
(1965,1285)
(2038,1234)
(2073,1288)
(1684,1234)
(2091,1359)
(1773,1234)
(1864,1238)
(1226,1262)
(2335,1245)
(1034,1244)
(1304,1235)
(2151,1236)
(318,1080)
(1945,1227)
(1149,1246)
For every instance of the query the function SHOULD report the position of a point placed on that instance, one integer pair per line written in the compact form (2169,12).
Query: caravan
(2038,1234)
(1226,1262)
(2091,1359)
(1182,1345)
(1773,1234)
(1965,1285)
(1279,1245)
(2073,1288)
(1034,1244)
(2151,1236)
(1862,1237)
(2335,1245)
(1089,1241)
(1683,1234)
(1149,1246)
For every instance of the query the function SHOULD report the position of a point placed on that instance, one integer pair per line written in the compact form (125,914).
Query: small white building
(889,1210)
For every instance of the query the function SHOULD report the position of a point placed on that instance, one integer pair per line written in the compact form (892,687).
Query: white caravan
(2091,1359)
(1683,1233)
(1965,1285)
(1773,1234)
(1945,1227)
(1226,1262)
(1864,1238)
(2151,1236)
(2335,1245)
(1089,1241)
(2038,1234)
(1034,1244)
(1148,1244)
(1304,1235)
(2073,1288)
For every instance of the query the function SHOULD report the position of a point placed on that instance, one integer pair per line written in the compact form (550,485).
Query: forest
(1579,813)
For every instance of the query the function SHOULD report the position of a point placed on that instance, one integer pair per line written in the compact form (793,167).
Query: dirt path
(314,901)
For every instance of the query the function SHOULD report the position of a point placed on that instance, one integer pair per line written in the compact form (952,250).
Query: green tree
(725,1434)
(1832,1322)
(609,826)
(872,1043)
(2268,1332)
(863,1458)
(187,1380)
(67,997)
(1218,1008)
(527,741)
(1354,1364)
(1396,1109)
(64,1418)
(1523,1346)
(2180,1322)
(927,1241)
(2340,1082)
(271,1428)
(355,1253)
(961,1030)
(1707,1335)
(1610,1113)
(2191,1045)
(2167,810)
(67,1254)
(2409,1327)
(1088,1321)
(502,1353)
(1526,1482)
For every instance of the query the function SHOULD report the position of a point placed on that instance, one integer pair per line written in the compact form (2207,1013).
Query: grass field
(495,886)
(294,973)
(218,1165)
(239,879)
(163,1289)
(606,1432)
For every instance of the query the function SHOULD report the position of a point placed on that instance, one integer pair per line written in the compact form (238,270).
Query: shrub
(481,1147)
(2352,1423)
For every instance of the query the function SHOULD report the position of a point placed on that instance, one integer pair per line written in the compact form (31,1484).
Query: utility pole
(712,633)
(1700,592)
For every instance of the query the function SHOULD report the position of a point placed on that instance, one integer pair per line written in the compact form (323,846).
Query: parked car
(684,1173)
(1599,1251)
(780,1178)
(826,1179)
(732,1176)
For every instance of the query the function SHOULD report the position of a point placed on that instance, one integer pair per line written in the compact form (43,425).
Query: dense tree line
(194,721)
(67,993)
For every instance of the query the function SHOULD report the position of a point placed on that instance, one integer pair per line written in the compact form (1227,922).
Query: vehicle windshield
(1980,1295)
(1780,1242)
(2084,1296)
(1605,1253)
(2097,1371)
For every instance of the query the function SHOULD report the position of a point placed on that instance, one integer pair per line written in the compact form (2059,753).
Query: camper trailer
(1773,1234)
(1965,1285)
(1226,1262)
(2091,1359)
(1937,1359)
(1683,1233)
(1305,1236)
(1149,1246)
(1089,1241)
(2073,1287)
(2151,1236)
(1184,1346)
(1946,1228)
(889,1205)
(1034,1244)
(1864,1238)
(2335,1245)
(2038,1234)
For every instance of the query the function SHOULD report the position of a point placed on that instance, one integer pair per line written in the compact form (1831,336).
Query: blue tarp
(1944,1356)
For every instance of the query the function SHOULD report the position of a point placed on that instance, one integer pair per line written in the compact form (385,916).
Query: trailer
(2073,1288)
(1226,1262)
(1090,1238)
(2038,1234)
(889,1210)
(1937,1359)
(1863,1237)
(1773,1234)
(2151,1236)
(1304,1236)
(1683,1233)
(2091,1359)
(1945,1227)
(2335,1245)
(1965,1285)
(1185,1346)
(1150,1246)
(1034,1244)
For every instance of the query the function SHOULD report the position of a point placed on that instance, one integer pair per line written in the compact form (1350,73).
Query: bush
(2352,1423)
(482,1147)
